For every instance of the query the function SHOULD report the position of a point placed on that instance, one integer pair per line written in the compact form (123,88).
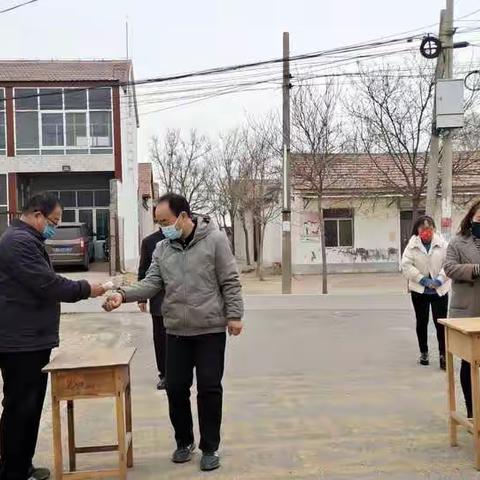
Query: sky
(169,37)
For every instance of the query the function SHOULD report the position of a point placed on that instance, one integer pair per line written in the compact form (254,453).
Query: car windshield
(67,233)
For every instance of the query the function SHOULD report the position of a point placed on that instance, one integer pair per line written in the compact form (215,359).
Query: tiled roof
(145,178)
(64,70)
(361,174)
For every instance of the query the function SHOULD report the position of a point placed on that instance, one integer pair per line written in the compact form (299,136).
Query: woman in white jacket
(422,265)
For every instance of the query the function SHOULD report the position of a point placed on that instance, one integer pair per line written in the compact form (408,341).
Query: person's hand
(113,301)
(96,290)
(437,283)
(142,307)
(235,327)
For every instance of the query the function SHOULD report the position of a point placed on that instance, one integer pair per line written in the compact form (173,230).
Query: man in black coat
(30,296)
(159,335)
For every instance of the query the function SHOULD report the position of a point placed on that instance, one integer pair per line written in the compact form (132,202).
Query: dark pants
(466,380)
(24,387)
(205,353)
(160,343)
(439,305)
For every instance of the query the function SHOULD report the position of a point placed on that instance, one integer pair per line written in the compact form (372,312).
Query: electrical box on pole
(449,104)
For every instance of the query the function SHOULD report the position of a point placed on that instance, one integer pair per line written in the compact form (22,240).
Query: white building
(367,223)
(70,127)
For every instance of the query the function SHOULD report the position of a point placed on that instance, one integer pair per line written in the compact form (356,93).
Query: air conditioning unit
(100,142)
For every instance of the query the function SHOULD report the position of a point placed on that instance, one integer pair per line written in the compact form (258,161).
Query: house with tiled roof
(367,206)
(70,127)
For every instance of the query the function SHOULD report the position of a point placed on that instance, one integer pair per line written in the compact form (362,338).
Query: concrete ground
(316,388)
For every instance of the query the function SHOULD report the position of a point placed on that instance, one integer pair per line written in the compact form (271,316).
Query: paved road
(317,388)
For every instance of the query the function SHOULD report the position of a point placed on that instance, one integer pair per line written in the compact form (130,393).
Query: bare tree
(392,113)
(183,167)
(260,180)
(318,135)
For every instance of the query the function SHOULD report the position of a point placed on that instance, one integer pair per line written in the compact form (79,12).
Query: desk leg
(57,438)
(128,420)
(476,413)
(71,436)
(452,403)
(122,441)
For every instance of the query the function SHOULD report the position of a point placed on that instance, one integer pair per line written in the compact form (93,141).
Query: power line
(17,6)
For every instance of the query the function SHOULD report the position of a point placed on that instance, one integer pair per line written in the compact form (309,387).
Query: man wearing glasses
(30,296)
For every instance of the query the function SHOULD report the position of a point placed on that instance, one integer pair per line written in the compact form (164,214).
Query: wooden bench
(88,375)
(462,336)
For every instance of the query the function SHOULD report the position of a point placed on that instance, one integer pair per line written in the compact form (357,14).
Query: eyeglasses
(49,220)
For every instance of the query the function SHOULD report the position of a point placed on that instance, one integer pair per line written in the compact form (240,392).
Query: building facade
(70,127)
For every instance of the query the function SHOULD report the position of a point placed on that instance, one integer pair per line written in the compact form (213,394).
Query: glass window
(100,129)
(3,219)
(86,216)
(3,189)
(100,98)
(52,129)
(51,99)
(67,233)
(76,129)
(85,198)
(331,236)
(102,198)
(68,216)
(2,132)
(103,219)
(68,199)
(345,232)
(26,99)
(27,129)
(75,99)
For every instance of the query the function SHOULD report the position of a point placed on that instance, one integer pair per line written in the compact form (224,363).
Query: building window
(3,204)
(338,227)
(2,123)
(56,121)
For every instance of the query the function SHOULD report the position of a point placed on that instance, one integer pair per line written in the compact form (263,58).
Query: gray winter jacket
(201,282)
(462,256)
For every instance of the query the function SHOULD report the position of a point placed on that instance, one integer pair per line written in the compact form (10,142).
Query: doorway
(406,225)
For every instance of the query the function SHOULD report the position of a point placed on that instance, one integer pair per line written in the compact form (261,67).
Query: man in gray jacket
(197,269)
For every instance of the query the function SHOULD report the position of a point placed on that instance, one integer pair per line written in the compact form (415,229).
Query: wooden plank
(122,440)
(97,449)
(461,420)
(464,325)
(452,404)
(86,474)
(72,360)
(71,436)
(57,437)
(74,384)
(460,344)
(128,422)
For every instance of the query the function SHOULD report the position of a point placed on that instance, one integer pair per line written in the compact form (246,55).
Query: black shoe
(424,360)
(39,473)
(183,454)
(210,461)
(443,362)
(161,384)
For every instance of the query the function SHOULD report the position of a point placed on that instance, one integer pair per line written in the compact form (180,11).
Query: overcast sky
(167,37)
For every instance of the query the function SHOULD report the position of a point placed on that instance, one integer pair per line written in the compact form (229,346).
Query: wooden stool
(88,375)
(463,340)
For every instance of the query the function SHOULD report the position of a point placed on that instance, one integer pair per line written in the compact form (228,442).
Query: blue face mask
(49,231)
(171,232)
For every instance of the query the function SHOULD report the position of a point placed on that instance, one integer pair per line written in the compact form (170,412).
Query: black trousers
(466,381)
(159,343)
(24,388)
(205,354)
(422,304)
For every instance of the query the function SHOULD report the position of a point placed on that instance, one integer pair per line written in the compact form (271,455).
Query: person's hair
(45,203)
(177,203)
(466,225)
(424,219)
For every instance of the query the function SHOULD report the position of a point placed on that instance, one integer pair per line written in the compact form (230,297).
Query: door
(86,216)
(406,225)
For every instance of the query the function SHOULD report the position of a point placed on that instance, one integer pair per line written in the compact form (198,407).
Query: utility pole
(447,156)
(434,157)
(286,193)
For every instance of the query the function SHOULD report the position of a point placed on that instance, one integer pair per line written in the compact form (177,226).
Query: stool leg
(476,413)
(452,403)
(57,439)
(71,436)
(128,421)
(122,443)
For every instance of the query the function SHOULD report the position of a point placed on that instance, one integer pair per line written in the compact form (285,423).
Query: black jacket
(31,292)
(148,247)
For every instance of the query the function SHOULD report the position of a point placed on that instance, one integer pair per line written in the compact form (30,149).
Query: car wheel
(86,263)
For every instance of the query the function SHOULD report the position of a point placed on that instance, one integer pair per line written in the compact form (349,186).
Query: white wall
(145,218)
(128,188)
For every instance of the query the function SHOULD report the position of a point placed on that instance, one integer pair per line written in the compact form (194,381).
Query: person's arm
(32,269)
(228,278)
(456,270)
(409,270)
